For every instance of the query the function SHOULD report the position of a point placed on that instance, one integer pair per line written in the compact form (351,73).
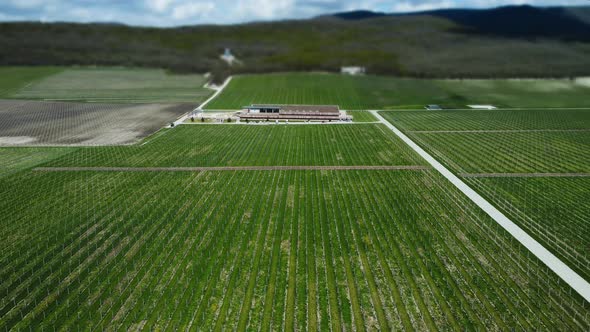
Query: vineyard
(311,250)
(362,116)
(113,85)
(533,165)
(285,227)
(64,123)
(375,92)
(513,152)
(503,120)
(91,106)
(13,160)
(560,202)
(244,145)
(12,79)
(272,250)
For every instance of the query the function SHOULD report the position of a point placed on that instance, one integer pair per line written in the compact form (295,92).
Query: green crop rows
(311,250)
(104,84)
(374,92)
(13,160)
(464,120)
(12,79)
(532,152)
(362,116)
(249,145)
(562,203)
(553,210)
(261,250)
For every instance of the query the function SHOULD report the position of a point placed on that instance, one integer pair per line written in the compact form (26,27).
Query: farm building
(353,70)
(482,107)
(293,112)
(228,57)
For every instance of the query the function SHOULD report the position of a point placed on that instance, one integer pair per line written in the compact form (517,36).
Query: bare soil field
(60,123)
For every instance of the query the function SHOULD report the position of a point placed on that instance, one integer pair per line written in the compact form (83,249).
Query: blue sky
(186,12)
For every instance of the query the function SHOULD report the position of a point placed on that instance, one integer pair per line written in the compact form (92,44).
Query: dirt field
(59,123)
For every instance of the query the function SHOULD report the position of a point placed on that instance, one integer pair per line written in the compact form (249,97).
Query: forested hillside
(504,42)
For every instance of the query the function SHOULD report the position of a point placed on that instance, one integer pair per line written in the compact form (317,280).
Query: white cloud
(263,9)
(82,14)
(192,10)
(407,6)
(188,12)
(158,5)
(27,4)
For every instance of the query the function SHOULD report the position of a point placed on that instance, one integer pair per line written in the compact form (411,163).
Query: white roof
(482,107)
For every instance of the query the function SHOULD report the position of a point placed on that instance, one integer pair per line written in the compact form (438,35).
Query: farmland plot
(379,92)
(512,152)
(12,79)
(556,209)
(500,120)
(249,145)
(59,123)
(13,160)
(117,85)
(532,165)
(362,116)
(311,250)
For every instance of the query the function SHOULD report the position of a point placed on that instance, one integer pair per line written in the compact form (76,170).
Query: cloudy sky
(186,12)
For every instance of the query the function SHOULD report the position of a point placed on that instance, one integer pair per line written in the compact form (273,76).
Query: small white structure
(433,107)
(482,107)
(353,70)
(228,57)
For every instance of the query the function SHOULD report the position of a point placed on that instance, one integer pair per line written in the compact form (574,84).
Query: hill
(567,23)
(356,15)
(522,22)
(451,43)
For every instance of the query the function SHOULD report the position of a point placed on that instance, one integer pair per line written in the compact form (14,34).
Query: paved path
(523,175)
(568,275)
(200,107)
(229,168)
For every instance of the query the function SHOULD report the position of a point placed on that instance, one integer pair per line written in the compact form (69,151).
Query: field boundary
(579,284)
(232,168)
(496,131)
(522,175)
(484,110)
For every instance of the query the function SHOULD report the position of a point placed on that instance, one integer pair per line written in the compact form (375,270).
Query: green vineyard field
(101,84)
(254,145)
(540,143)
(474,120)
(311,250)
(13,160)
(512,152)
(379,92)
(555,209)
(131,238)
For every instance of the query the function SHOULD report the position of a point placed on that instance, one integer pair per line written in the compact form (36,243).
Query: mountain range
(570,23)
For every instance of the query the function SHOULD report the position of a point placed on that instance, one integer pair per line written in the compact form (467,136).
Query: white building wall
(352,70)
